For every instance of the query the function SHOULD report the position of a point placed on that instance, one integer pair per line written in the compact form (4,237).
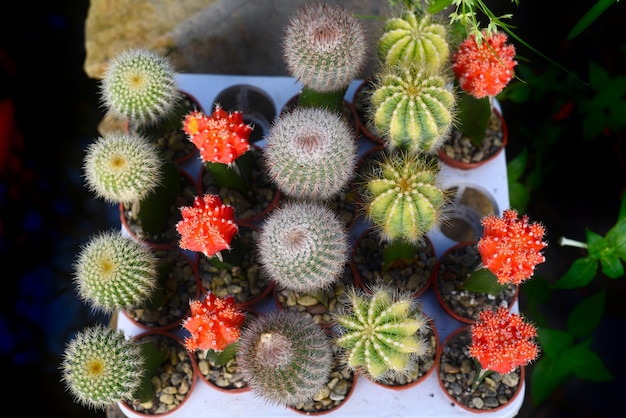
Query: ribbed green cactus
(114,272)
(381,331)
(284,357)
(402,197)
(412,38)
(325,48)
(122,167)
(303,246)
(100,367)
(311,153)
(139,84)
(413,108)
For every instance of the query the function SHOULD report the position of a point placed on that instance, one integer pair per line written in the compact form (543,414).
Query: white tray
(368,400)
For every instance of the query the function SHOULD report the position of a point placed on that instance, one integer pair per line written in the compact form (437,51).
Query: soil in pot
(457,371)
(464,305)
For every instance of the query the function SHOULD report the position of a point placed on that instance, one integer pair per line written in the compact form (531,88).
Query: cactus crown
(311,153)
(139,85)
(324,46)
(402,197)
(303,246)
(413,108)
(100,367)
(381,331)
(114,272)
(122,167)
(414,38)
(285,357)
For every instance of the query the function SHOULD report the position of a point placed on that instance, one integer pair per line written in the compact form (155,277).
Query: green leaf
(594,123)
(616,238)
(589,17)
(611,265)
(596,244)
(585,318)
(517,166)
(598,76)
(554,342)
(548,374)
(537,292)
(438,5)
(482,281)
(519,196)
(580,273)
(586,364)
(398,253)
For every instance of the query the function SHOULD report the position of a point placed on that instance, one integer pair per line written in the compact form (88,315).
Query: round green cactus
(114,272)
(413,108)
(325,46)
(402,197)
(303,246)
(284,357)
(122,167)
(100,367)
(139,84)
(381,331)
(412,38)
(311,153)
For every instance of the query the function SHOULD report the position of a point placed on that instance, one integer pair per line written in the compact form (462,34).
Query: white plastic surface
(368,400)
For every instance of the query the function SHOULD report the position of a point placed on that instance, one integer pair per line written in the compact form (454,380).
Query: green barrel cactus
(412,38)
(413,108)
(100,367)
(114,272)
(122,167)
(284,357)
(381,331)
(402,197)
(311,153)
(303,246)
(139,85)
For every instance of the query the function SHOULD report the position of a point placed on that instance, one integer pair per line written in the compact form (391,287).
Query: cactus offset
(139,85)
(122,167)
(402,197)
(381,331)
(303,246)
(311,153)
(114,272)
(284,357)
(100,367)
(413,108)
(412,38)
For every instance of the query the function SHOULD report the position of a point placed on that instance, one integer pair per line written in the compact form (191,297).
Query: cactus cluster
(311,153)
(114,272)
(284,357)
(303,246)
(381,331)
(402,196)
(100,367)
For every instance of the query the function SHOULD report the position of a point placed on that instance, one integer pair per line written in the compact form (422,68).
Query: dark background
(46,214)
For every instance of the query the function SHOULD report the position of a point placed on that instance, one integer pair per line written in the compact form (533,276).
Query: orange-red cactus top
(485,69)
(214,323)
(510,246)
(221,137)
(502,341)
(208,226)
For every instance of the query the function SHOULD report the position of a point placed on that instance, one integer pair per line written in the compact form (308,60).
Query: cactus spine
(100,367)
(311,153)
(381,332)
(284,357)
(413,108)
(139,85)
(402,197)
(122,167)
(412,38)
(303,246)
(114,272)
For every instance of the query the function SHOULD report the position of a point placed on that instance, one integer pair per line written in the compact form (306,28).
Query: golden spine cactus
(413,108)
(402,197)
(412,38)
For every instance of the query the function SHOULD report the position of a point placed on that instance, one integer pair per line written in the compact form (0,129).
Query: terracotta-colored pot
(453,360)
(450,275)
(423,266)
(186,367)
(360,104)
(450,161)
